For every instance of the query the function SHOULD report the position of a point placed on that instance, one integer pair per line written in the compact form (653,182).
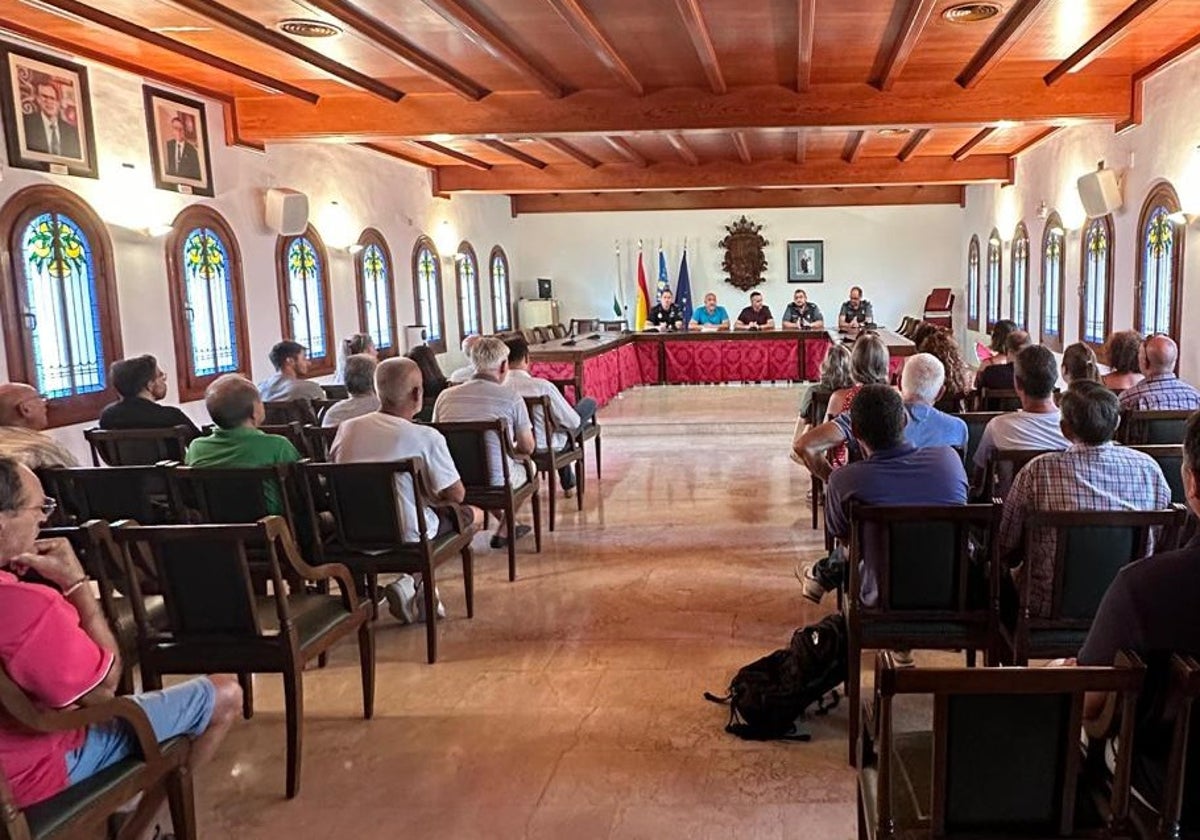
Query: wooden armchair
(549,460)
(293,431)
(1169,458)
(135,447)
(81,811)
(584,325)
(369,529)
(282,412)
(468,444)
(217,624)
(319,440)
(998,399)
(930,595)
(111,493)
(1142,427)
(335,392)
(1002,469)
(976,422)
(1003,758)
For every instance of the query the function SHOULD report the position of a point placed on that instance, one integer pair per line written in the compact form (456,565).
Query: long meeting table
(601,365)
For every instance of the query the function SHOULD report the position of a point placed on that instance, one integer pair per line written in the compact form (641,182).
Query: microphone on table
(570,340)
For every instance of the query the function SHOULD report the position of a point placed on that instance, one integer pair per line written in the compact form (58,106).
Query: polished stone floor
(570,706)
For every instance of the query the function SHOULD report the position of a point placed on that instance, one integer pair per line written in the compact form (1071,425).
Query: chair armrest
(279,534)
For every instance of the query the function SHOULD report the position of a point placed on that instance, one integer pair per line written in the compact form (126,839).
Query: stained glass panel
(501,307)
(306,296)
(973,282)
(1158,272)
(377,295)
(427,282)
(993,280)
(1095,282)
(1020,277)
(1052,262)
(208,288)
(468,293)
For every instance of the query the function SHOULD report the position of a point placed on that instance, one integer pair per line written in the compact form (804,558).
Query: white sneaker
(419,600)
(401,597)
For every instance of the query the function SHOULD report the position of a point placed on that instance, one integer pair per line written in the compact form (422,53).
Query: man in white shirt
(462,374)
(358,375)
(389,434)
(290,360)
(562,414)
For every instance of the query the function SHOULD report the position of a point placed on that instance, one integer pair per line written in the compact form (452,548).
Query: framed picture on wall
(806,261)
(47,113)
(178,131)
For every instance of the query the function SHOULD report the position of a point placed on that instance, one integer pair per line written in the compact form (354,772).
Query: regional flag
(642,309)
(683,292)
(664,282)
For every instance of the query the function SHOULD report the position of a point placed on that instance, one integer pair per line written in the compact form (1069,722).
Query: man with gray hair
(465,372)
(486,397)
(358,375)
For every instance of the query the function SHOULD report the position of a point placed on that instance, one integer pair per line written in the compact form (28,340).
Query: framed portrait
(178,131)
(806,261)
(47,113)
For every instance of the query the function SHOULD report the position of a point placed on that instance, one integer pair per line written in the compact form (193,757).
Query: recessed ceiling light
(893,132)
(167,30)
(971,12)
(307,28)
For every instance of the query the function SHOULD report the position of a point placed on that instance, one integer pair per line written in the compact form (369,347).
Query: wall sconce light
(336,226)
(1057,231)
(446,239)
(155,231)
(1178,218)
(355,249)
(1042,210)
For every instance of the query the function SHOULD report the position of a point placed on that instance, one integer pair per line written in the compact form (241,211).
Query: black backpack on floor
(767,696)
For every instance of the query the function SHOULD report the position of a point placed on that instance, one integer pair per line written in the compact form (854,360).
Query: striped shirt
(1161,392)
(1104,477)
(481,399)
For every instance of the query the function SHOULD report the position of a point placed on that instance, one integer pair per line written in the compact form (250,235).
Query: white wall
(897,254)
(373,190)
(1162,148)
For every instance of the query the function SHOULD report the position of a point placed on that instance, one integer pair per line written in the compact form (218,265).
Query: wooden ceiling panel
(652,40)
(755,40)
(1008,140)
(876,144)
(847,38)
(945,141)
(944,48)
(1064,27)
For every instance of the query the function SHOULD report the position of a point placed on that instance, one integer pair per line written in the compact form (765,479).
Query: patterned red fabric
(628,368)
(895,363)
(710,361)
(814,354)
(681,362)
(783,359)
(602,377)
(746,361)
(557,371)
(647,361)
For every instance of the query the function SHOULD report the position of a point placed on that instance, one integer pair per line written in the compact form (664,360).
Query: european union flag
(683,292)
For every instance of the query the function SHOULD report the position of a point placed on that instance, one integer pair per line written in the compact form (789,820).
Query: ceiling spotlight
(308,28)
(971,12)
(893,132)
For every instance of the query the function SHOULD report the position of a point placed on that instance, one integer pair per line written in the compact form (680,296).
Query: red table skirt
(731,361)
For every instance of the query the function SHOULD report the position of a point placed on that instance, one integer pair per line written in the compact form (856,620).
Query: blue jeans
(586,409)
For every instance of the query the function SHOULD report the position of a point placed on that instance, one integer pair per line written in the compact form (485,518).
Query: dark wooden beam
(693,20)
(734,199)
(683,149)
(868,171)
(1114,31)
(455,154)
(148,36)
(622,147)
(806,13)
(391,41)
(801,145)
(743,148)
(466,21)
(585,27)
(600,112)
(918,137)
(249,28)
(514,153)
(853,147)
(571,151)
(1036,140)
(398,155)
(1004,37)
(912,24)
(1141,76)
(964,151)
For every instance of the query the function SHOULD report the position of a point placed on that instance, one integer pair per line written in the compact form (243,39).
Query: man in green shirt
(235,406)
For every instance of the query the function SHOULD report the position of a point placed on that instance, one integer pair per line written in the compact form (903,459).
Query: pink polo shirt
(47,653)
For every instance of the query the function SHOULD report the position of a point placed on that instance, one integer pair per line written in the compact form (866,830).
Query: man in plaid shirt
(1161,390)
(1092,474)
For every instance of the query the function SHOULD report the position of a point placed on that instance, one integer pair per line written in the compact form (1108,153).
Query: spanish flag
(642,310)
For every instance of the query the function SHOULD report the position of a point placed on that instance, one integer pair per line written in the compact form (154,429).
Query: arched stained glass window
(208,308)
(1160,264)
(1053,264)
(466,267)
(1019,292)
(376,309)
(427,293)
(1095,282)
(307,311)
(501,291)
(60,308)
(993,279)
(973,284)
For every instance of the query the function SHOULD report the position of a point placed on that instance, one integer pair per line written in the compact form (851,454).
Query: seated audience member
(1037,424)
(835,375)
(1150,609)
(234,405)
(1092,474)
(1000,332)
(665,315)
(800,314)
(1123,353)
(1079,364)
(359,379)
(22,429)
(1161,390)
(390,434)
(355,344)
(943,346)
(923,331)
(141,384)
(290,360)
(460,375)
(710,316)
(855,313)
(756,316)
(893,472)
(869,364)
(999,376)
(564,416)
(56,645)
(486,397)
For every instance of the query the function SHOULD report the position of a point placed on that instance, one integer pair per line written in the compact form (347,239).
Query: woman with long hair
(1121,353)
(944,347)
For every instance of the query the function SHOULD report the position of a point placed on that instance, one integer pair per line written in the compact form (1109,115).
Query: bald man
(22,421)
(1161,390)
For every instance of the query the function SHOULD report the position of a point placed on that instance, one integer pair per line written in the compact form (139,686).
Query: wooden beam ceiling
(683,149)
(918,137)
(584,25)
(622,147)
(1115,30)
(697,29)
(806,15)
(964,151)
(853,147)
(571,151)
(801,145)
(1036,140)
(398,155)
(915,18)
(513,152)
(1004,37)
(742,147)
(453,154)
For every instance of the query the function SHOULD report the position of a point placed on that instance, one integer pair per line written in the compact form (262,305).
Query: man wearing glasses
(22,429)
(1160,390)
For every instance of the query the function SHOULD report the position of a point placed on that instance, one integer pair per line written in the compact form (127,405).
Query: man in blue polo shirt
(710,315)
(893,472)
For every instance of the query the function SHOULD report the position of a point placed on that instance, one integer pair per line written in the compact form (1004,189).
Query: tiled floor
(570,706)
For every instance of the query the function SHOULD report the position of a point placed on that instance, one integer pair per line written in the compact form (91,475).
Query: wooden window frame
(371,236)
(973,283)
(438,346)
(319,365)
(465,252)
(1054,342)
(993,242)
(497,251)
(1110,232)
(1161,195)
(190,384)
(1020,234)
(17,212)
